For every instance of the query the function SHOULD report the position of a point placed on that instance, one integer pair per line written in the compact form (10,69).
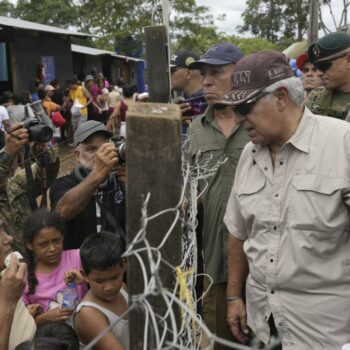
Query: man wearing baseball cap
(91,197)
(331,56)
(215,141)
(288,213)
(182,78)
(309,74)
(187,84)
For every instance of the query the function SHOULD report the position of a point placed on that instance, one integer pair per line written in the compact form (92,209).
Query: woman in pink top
(47,264)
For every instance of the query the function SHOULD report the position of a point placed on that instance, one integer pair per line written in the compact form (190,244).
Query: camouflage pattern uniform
(14,201)
(320,102)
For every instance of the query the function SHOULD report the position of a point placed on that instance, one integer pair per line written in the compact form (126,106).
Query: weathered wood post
(153,151)
(156,38)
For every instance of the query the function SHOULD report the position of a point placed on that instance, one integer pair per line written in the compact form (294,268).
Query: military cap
(183,58)
(329,47)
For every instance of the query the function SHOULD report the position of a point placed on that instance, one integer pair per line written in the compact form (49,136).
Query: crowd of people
(273,221)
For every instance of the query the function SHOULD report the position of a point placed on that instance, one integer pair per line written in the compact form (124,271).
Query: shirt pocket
(252,200)
(316,203)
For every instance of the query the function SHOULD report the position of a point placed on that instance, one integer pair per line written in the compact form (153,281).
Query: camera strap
(29,176)
(30,180)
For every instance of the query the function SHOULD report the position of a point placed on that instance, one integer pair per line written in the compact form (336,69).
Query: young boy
(106,301)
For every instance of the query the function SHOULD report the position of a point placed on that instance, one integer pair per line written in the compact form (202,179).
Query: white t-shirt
(3,116)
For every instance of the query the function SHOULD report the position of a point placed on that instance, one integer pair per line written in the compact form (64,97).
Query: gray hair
(294,86)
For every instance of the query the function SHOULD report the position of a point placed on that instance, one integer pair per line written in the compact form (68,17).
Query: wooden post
(313,22)
(153,152)
(156,38)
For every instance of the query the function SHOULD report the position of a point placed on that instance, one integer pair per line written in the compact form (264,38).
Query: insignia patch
(189,60)
(316,50)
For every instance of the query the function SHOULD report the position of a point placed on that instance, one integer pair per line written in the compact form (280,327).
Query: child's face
(47,246)
(106,284)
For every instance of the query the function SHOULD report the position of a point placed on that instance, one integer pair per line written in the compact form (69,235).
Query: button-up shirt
(212,150)
(294,220)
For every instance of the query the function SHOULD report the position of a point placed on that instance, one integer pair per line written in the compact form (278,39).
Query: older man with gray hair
(288,213)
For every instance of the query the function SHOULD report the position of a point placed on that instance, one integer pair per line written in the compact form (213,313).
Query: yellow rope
(185,295)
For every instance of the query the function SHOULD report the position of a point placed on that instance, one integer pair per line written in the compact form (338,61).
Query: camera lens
(40,133)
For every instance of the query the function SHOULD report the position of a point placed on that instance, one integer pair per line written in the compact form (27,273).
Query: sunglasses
(245,108)
(324,65)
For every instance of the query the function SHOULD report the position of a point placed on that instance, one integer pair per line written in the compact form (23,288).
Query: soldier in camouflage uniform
(331,55)
(14,200)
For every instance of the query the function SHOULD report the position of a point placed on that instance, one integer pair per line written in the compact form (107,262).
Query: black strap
(30,180)
(112,220)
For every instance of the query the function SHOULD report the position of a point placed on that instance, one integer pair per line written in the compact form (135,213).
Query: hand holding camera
(16,137)
(106,160)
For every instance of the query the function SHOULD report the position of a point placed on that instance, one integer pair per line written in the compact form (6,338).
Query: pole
(313,22)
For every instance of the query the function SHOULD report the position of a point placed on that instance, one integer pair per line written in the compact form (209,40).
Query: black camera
(38,124)
(37,131)
(120,144)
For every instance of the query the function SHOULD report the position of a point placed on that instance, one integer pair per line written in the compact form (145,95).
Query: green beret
(328,46)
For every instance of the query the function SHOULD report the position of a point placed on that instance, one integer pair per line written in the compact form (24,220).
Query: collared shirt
(209,146)
(294,221)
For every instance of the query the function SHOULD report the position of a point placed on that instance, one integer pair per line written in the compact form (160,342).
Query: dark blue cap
(219,54)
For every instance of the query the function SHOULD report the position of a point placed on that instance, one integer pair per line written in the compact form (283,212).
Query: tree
(341,24)
(114,24)
(6,8)
(276,19)
(59,13)
(250,45)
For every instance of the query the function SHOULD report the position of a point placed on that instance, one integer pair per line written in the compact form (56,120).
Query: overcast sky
(234,8)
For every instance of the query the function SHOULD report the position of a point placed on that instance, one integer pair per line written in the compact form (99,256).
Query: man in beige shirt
(288,213)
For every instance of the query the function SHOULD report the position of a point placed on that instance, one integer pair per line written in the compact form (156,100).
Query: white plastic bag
(77,106)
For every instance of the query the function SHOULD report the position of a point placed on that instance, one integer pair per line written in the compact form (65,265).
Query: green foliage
(250,45)
(117,24)
(60,13)
(276,19)
(6,8)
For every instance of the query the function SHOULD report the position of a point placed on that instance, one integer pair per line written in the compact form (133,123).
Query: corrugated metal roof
(19,23)
(97,52)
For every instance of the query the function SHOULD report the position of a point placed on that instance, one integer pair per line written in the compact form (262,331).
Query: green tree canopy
(276,19)
(59,13)
(6,8)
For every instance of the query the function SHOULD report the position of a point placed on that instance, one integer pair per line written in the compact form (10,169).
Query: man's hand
(106,159)
(12,283)
(16,138)
(237,320)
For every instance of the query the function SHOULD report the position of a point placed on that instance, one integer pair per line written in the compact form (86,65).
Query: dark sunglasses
(324,65)
(246,107)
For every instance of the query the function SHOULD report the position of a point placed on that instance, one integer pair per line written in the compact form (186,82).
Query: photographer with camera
(91,198)
(16,193)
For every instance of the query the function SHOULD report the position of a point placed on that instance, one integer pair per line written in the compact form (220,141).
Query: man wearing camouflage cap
(331,56)
(288,213)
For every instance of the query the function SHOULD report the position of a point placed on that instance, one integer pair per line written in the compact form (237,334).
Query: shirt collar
(301,139)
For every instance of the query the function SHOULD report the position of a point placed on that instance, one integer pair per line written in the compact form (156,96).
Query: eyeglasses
(245,108)
(324,65)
